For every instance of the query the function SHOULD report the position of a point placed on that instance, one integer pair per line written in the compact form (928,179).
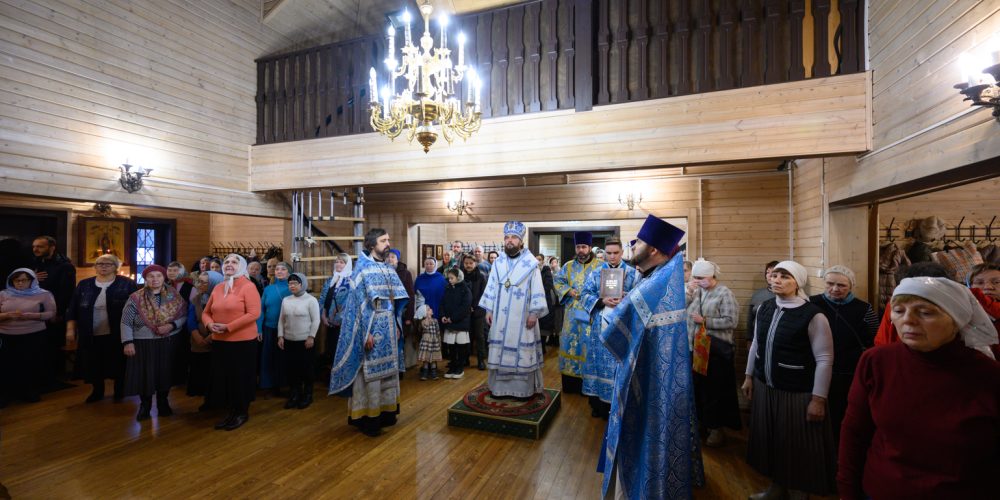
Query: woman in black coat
(93,319)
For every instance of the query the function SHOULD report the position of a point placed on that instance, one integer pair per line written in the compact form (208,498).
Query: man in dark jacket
(477,283)
(56,274)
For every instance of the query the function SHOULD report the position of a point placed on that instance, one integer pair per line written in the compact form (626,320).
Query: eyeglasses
(978,283)
(102,264)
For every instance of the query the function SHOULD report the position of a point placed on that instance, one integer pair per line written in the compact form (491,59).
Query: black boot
(119,390)
(307,397)
(461,359)
(145,404)
(226,421)
(163,408)
(293,398)
(237,421)
(97,393)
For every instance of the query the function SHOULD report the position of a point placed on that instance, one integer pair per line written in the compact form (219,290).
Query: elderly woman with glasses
(923,413)
(24,308)
(853,323)
(93,320)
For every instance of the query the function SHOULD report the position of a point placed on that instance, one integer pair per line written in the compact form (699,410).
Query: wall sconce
(459,206)
(131,178)
(980,76)
(630,200)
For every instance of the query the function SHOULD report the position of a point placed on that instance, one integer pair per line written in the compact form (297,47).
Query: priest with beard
(651,447)
(569,284)
(366,364)
(514,299)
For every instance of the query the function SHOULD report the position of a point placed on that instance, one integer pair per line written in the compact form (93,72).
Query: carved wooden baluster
(355,104)
(261,99)
(797,69)
(500,63)
(515,37)
(583,67)
(484,57)
(321,90)
(301,91)
(641,35)
(683,32)
(550,45)
(774,41)
(312,109)
(704,80)
(343,91)
(603,49)
(850,37)
(821,38)
(568,23)
(279,78)
(619,54)
(752,72)
(727,44)
(661,50)
(531,74)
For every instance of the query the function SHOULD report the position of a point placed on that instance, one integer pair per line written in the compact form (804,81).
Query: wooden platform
(63,448)
(528,419)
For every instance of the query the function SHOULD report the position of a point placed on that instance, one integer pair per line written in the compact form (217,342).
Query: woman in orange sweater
(231,315)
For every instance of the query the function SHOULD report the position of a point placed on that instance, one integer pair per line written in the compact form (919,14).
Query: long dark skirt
(234,374)
(101,358)
(272,364)
(796,454)
(182,356)
(715,393)
(199,373)
(22,365)
(151,369)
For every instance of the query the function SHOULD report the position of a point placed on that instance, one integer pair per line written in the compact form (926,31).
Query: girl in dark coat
(456,307)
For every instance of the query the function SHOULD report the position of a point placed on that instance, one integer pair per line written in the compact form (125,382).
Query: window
(154,243)
(145,250)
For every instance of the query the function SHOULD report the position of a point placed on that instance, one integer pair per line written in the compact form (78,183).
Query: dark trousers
(54,355)
(182,357)
(234,375)
(101,358)
(715,393)
(457,355)
(199,373)
(22,365)
(299,365)
(478,333)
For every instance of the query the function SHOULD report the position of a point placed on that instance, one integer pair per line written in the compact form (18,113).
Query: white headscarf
(974,325)
(705,268)
(345,273)
(425,261)
(240,271)
(846,271)
(798,272)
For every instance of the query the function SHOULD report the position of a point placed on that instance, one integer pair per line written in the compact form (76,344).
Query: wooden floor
(62,448)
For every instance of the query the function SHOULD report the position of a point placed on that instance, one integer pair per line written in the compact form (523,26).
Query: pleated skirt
(151,369)
(783,446)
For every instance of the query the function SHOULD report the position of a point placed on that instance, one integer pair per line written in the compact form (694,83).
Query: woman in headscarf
(333,298)
(150,321)
(853,324)
(199,375)
(297,327)
(931,433)
(177,277)
(714,308)
(787,381)
(272,365)
(24,308)
(231,315)
(94,320)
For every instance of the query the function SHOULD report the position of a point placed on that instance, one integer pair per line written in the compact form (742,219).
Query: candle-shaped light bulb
(443,21)
(373,84)
(406,22)
(392,42)
(473,79)
(479,88)
(461,48)
(385,101)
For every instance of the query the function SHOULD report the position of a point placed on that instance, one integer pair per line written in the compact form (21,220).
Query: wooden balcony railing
(573,54)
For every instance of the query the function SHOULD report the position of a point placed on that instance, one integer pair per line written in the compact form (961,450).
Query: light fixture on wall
(459,206)
(629,200)
(131,178)
(980,76)
(433,98)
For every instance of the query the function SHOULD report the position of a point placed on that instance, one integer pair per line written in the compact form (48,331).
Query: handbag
(701,347)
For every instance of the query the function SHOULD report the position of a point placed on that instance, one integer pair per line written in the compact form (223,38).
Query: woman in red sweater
(923,414)
(231,315)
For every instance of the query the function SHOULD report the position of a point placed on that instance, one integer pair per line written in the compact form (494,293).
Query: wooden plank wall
(193,228)
(920,124)
(977,203)
(808,203)
(166,85)
(245,228)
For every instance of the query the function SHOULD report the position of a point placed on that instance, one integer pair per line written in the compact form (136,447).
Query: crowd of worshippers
(843,399)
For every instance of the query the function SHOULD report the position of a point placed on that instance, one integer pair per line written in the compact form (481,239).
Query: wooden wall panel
(169,86)
(808,237)
(977,203)
(247,229)
(817,117)
(920,124)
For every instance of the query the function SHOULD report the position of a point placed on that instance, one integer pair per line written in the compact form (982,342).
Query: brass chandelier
(428,104)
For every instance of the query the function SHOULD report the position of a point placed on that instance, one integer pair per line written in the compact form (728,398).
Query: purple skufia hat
(583,238)
(660,234)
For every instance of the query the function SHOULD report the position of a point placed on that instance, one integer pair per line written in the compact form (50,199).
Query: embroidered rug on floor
(478,409)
